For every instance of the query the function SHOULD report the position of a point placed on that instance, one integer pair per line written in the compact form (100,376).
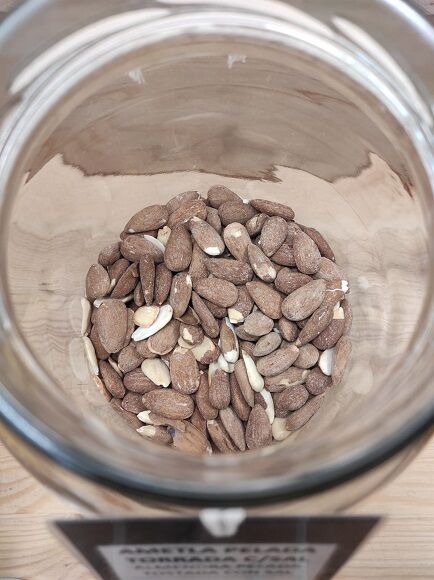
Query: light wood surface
(403,547)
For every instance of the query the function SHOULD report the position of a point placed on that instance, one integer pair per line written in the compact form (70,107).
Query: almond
(86,311)
(308,356)
(293,229)
(209,323)
(136,246)
(257,324)
(213,219)
(318,321)
(269,404)
(217,311)
(234,211)
(100,351)
(131,418)
(342,352)
(321,243)
(255,224)
(147,278)
(278,429)
(206,352)
(165,340)
(266,299)
(97,282)
(190,317)
(115,366)
(109,255)
(156,419)
(304,301)
(116,270)
(228,342)
(192,335)
(136,382)
(203,403)
(111,324)
(290,399)
(169,403)
(129,359)
(180,294)
(184,372)
(220,292)
(325,361)
(220,437)
(164,317)
(244,383)
(258,429)
(187,210)
(163,283)
(198,266)
(91,356)
(156,434)
(234,427)
(241,333)
(247,347)
(273,234)
(330,335)
(255,379)
(278,361)
(317,382)
(289,378)
(273,208)
(127,282)
(328,270)
(152,217)
(237,240)
(163,235)
(238,402)
(130,326)
(145,316)
(198,421)
(191,441)
(242,307)
(335,292)
(348,316)
(267,344)
(284,255)
(219,391)
(132,402)
(235,271)
(206,237)
(101,388)
(288,329)
(297,419)
(182,198)
(177,256)
(306,254)
(219,194)
(156,371)
(262,266)
(287,281)
(139,299)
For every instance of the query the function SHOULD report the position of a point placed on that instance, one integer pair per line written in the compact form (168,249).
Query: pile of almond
(216,324)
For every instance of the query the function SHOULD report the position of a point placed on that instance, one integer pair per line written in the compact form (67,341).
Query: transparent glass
(133,102)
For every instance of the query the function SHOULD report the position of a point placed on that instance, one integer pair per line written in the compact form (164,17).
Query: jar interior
(267,120)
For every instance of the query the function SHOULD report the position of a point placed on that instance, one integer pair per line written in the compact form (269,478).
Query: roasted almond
(244,383)
(237,240)
(97,282)
(235,271)
(293,229)
(182,198)
(180,294)
(255,224)
(179,249)
(198,421)
(139,299)
(228,342)
(147,278)
(258,429)
(136,246)
(100,351)
(132,402)
(348,316)
(328,270)
(304,301)
(163,235)
(284,256)
(289,378)
(149,218)
(297,419)
(206,352)
(320,241)
(273,234)
(116,270)
(317,382)
(190,317)
(169,403)
(266,299)
(234,427)
(111,324)
(242,334)
(238,402)
(130,326)
(306,254)
(217,311)
(191,334)
(112,380)
(198,266)
(219,391)
(219,194)
(213,219)
(109,255)
(317,322)
(209,323)
(342,352)
(242,307)
(261,265)
(191,441)
(287,281)
(163,283)
(184,372)
(187,210)
(165,340)
(257,324)
(157,434)
(220,292)
(267,344)
(288,329)
(165,314)
(278,361)
(235,212)
(290,399)
(207,410)
(206,237)
(307,357)
(335,292)
(273,208)
(330,335)
(247,347)
(129,359)
(219,436)
(131,418)
(127,282)
(136,382)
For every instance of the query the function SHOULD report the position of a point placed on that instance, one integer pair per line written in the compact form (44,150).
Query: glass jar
(108,106)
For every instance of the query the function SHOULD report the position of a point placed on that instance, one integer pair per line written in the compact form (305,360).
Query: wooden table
(402,548)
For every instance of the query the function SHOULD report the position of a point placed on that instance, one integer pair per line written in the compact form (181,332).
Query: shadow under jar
(327,110)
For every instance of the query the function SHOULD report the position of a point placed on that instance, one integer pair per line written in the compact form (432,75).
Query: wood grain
(401,548)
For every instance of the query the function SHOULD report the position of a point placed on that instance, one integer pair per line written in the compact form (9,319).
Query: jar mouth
(39,97)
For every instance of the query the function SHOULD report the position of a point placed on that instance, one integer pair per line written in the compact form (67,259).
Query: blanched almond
(255,379)
(164,317)
(146,315)
(237,240)
(163,235)
(157,372)
(325,362)
(278,429)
